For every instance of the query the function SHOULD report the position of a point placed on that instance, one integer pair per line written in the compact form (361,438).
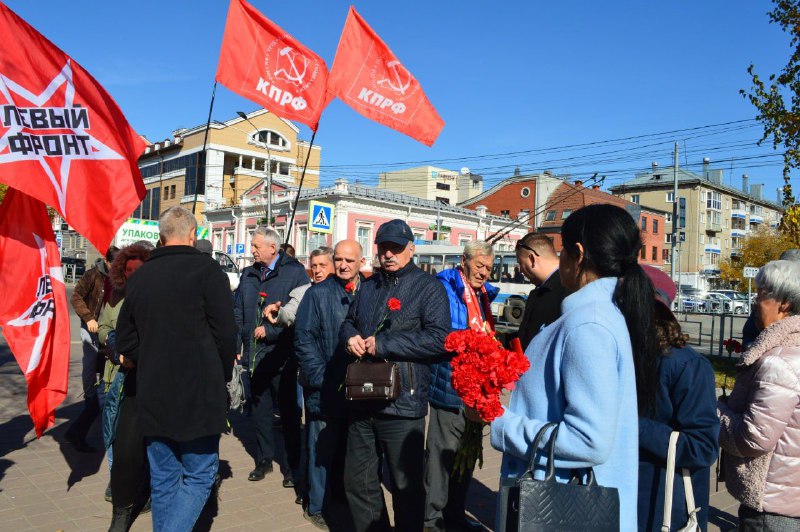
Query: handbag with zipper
(372,381)
(528,504)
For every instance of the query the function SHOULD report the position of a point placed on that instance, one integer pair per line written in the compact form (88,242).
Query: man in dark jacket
(176,326)
(87,299)
(538,260)
(323,364)
(470,298)
(412,336)
(273,371)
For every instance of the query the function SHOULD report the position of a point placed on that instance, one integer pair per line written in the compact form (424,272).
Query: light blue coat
(582,377)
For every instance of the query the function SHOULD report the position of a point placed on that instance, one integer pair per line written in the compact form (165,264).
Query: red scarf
(474,319)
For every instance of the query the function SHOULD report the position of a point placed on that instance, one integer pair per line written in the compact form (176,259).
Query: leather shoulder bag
(372,381)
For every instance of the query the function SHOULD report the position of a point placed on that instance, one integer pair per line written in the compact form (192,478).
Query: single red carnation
(394,304)
(350,287)
(262,294)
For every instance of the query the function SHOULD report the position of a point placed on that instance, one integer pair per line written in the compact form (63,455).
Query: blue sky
(515,82)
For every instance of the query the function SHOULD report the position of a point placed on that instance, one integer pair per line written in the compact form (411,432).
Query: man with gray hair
(470,297)
(176,328)
(751,329)
(266,350)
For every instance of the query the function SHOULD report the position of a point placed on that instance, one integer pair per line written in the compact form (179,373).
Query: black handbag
(527,504)
(371,381)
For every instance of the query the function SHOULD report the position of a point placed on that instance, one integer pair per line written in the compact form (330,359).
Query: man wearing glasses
(538,261)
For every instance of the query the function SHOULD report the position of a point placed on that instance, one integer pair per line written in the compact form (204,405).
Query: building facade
(237,156)
(718,217)
(358,211)
(432,183)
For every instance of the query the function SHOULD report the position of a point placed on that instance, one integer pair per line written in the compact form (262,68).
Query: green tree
(759,248)
(778,100)
(3,189)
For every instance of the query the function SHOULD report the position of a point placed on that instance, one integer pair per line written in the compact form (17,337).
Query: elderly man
(538,261)
(470,298)
(273,371)
(176,326)
(411,336)
(321,265)
(323,364)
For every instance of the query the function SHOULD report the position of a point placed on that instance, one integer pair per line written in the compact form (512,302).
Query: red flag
(368,77)
(33,307)
(63,140)
(265,64)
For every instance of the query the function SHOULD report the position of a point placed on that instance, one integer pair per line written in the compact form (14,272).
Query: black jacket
(320,355)
(413,336)
(542,308)
(176,324)
(277,346)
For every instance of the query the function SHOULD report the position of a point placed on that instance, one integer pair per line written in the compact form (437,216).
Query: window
(419,234)
(506,214)
(643,253)
(665,255)
(702,239)
(668,238)
(565,214)
(229,244)
(644,223)
(523,214)
(172,192)
(442,186)
(463,240)
(364,237)
(635,199)
(217,239)
(273,139)
(655,226)
(525,192)
(702,217)
(302,241)
(440,199)
(655,253)
(670,197)
(550,216)
(317,240)
(713,200)
(668,218)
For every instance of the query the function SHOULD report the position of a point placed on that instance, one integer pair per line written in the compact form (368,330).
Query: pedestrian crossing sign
(320,217)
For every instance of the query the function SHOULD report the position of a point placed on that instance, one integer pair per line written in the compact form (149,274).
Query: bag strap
(551,445)
(535,447)
(689,490)
(669,476)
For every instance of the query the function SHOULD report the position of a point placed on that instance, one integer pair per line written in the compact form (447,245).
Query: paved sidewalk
(46,485)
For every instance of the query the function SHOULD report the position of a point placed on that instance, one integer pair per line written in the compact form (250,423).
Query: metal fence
(707,332)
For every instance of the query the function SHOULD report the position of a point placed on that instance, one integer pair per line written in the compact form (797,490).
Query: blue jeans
(327,445)
(181,477)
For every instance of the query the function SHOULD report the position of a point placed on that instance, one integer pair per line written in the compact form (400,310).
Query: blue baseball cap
(396,231)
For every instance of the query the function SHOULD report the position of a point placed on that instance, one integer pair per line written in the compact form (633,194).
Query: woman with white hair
(760,421)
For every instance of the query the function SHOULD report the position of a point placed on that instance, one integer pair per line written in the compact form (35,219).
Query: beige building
(237,156)
(431,183)
(718,217)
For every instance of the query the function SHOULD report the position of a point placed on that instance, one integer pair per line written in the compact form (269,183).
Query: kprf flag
(368,77)
(265,64)
(63,140)
(33,306)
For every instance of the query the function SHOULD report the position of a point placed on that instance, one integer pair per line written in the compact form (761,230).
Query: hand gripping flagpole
(203,153)
(300,187)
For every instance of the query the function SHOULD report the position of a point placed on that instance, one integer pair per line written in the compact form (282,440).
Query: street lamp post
(265,145)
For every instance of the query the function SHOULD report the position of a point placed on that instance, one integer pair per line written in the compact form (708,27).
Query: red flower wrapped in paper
(482,369)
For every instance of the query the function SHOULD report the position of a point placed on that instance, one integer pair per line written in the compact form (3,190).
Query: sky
(528,84)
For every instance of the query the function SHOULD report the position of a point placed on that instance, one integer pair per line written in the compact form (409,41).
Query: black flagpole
(299,188)
(202,157)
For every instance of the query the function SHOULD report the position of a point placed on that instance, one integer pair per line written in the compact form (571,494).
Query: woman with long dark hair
(587,366)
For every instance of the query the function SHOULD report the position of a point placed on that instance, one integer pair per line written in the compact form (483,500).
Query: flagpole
(299,188)
(203,153)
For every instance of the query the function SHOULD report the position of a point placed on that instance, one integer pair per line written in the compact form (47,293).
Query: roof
(664,179)
(508,181)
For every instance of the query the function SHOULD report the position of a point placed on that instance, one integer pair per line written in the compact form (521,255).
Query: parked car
(738,301)
(718,303)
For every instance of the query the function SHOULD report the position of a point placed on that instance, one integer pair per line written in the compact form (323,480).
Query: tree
(790,225)
(759,248)
(3,189)
(779,103)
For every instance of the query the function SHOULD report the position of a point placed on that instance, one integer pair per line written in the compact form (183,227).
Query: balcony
(712,227)
(736,253)
(755,219)
(738,214)
(738,232)
(710,269)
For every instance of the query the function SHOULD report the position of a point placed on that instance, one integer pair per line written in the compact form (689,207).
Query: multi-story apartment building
(237,155)
(718,217)
(431,183)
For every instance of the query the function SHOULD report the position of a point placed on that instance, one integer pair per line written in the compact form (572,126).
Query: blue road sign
(240,249)
(320,217)
(228,249)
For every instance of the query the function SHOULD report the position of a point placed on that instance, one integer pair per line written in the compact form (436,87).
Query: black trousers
(751,520)
(446,495)
(129,471)
(281,385)
(402,442)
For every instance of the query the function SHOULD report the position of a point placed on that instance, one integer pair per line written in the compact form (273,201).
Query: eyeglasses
(520,245)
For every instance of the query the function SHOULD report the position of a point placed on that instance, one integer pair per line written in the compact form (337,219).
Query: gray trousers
(89,362)
(445,495)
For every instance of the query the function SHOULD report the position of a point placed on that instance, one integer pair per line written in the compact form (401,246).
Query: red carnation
(394,304)
(732,345)
(350,287)
(262,294)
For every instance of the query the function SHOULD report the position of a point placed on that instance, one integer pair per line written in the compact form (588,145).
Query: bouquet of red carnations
(482,369)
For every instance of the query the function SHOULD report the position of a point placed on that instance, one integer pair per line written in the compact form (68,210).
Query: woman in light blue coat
(586,367)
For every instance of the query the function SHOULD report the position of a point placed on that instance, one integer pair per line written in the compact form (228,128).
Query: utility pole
(674,213)
(265,145)
(438,221)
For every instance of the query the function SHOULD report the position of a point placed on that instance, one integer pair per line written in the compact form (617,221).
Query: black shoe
(147,506)
(317,520)
(108,492)
(463,523)
(79,443)
(299,500)
(262,469)
(288,481)
(121,519)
